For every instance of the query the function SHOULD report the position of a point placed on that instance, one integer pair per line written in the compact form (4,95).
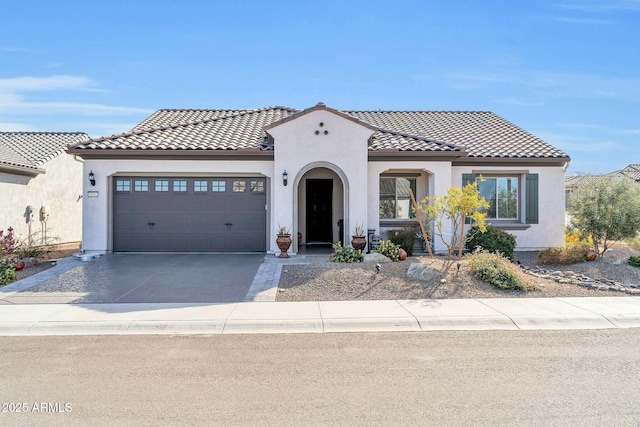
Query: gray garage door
(189,214)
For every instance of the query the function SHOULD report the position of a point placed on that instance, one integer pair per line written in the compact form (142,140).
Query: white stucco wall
(97,219)
(298,150)
(58,189)
(549,231)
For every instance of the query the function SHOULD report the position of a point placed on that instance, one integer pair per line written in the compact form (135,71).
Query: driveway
(147,278)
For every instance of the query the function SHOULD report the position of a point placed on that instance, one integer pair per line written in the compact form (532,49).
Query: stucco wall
(97,219)
(551,215)
(298,150)
(58,189)
(337,202)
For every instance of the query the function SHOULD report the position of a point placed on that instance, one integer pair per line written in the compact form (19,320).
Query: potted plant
(358,239)
(283,241)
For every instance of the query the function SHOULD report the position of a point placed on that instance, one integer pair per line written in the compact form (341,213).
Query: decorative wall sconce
(285,178)
(92,179)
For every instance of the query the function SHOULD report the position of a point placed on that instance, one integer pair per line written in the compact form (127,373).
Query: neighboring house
(41,186)
(572,183)
(224,180)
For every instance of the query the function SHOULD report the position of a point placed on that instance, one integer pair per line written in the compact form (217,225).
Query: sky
(567,71)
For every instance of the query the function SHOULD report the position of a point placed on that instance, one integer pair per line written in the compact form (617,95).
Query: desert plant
(405,238)
(388,249)
(7,274)
(569,254)
(346,254)
(496,270)
(634,242)
(283,231)
(634,261)
(358,231)
(454,208)
(606,211)
(492,240)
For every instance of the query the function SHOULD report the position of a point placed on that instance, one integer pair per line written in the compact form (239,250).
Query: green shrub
(492,240)
(495,270)
(634,261)
(388,249)
(7,274)
(634,243)
(569,254)
(405,238)
(345,254)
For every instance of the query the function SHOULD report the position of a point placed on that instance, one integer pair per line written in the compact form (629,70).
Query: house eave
(21,170)
(246,154)
(391,155)
(512,161)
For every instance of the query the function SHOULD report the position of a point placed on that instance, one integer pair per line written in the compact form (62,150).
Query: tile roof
(30,150)
(630,171)
(472,134)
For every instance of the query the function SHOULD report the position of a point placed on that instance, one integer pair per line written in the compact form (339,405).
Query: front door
(319,210)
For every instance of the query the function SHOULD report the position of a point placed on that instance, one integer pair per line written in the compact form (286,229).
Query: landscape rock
(570,277)
(375,257)
(419,271)
(619,255)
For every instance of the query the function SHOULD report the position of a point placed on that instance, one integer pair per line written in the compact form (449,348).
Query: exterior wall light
(285,178)
(92,179)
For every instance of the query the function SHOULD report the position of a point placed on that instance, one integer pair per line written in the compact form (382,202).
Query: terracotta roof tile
(480,134)
(29,150)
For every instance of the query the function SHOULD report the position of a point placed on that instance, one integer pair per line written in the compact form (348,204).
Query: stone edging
(571,277)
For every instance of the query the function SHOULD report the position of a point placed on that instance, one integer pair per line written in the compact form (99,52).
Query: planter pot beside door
(284,243)
(358,242)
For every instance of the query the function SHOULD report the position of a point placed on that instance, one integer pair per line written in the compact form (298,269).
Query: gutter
(21,170)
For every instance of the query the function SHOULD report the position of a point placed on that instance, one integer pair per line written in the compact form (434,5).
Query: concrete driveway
(147,278)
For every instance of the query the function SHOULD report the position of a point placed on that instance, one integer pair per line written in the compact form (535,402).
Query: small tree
(455,206)
(606,210)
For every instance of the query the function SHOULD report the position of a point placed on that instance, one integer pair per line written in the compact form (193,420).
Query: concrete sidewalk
(320,317)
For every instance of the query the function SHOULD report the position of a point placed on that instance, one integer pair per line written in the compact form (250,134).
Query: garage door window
(239,186)
(218,186)
(140,185)
(162,185)
(123,185)
(180,186)
(200,186)
(257,186)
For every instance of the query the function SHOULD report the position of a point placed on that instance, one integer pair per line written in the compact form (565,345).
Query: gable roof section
(26,152)
(461,134)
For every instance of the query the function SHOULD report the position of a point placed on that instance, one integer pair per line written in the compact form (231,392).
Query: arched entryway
(320,206)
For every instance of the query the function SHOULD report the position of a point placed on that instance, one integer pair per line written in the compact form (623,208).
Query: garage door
(167,214)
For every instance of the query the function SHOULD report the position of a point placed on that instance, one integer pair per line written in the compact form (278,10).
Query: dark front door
(319,210)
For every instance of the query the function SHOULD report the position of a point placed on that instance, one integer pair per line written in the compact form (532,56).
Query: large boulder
(419,271)
(375,257)
(619,255)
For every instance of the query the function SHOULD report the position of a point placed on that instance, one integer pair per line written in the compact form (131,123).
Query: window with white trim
(200,186)
(395,201)
(218,186)
(180,186)
(140,185)
(502,194)
(123,185)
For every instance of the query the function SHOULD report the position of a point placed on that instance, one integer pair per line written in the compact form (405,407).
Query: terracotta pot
(283,242)
(402,254)
(591,255)
(358,242)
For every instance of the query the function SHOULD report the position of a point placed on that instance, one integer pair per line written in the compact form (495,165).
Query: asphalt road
(559,378)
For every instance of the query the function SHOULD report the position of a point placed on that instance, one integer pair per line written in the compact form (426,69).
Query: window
(140,185)
(123,185)
(162,185)
(395,202)
(218,186)
(257,186)
(180,185)
(200,186)
(502,195)
(239,186)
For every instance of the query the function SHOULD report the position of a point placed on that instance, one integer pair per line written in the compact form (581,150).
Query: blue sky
(567,71)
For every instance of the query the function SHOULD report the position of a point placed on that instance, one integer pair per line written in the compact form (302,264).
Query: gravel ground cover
(327,281)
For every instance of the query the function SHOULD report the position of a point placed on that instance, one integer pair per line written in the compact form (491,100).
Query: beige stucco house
(224,180)
(41,186)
